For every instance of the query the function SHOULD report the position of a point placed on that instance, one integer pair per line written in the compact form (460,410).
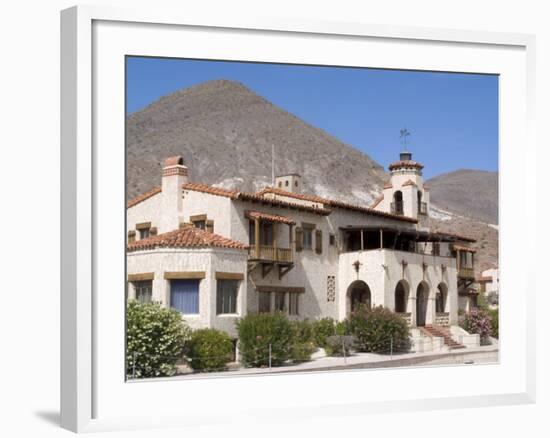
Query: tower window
(286,183)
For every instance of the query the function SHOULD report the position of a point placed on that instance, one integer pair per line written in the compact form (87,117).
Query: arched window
(441,298)
(358,294)
(401,296)
(397,204)
(419,197)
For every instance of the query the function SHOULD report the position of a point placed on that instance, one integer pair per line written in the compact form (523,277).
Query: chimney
(174,175)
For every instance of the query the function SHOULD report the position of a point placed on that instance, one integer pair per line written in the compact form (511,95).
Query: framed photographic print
(253,208)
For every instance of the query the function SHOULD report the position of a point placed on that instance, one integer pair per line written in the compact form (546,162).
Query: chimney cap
(176,160)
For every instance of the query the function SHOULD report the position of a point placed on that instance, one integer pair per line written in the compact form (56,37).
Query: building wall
(382,270)
(146,211)
(216,208)
(209,261)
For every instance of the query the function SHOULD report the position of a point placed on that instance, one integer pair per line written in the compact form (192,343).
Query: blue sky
(453,118)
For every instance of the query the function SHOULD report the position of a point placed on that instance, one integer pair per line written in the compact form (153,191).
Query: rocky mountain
(226,134)
(469,193)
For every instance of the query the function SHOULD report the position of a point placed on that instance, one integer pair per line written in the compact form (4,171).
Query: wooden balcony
(466,273)
(271,254)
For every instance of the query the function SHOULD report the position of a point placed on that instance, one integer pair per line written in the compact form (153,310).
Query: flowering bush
(379,330)
(258,331)
(303,344)
(155,337)
(478,321)
(209,349)
(322,329)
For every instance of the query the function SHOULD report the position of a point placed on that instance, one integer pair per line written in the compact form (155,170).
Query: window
(184,296)
(307,238)
(144,229)
(280,301)
(200,224)
(227,291)
(144,233)
(332,239)
(295,183)
(264,302)
(293,307)
(286,183)
(144,290)
(280,184)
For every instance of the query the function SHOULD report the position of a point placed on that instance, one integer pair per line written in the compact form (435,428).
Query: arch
(422,298)
(397,202)
(401,296)
(358,293)
(441,298)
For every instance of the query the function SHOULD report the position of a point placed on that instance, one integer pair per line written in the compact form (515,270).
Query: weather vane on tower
(403,134)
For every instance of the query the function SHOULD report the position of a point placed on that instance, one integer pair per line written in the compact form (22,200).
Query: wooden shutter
(131,236)
(318,241)
(299,239)
(210,226)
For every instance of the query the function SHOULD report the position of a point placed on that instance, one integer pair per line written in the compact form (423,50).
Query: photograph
(289,218)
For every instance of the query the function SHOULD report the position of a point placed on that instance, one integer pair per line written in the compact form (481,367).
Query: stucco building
(217,254)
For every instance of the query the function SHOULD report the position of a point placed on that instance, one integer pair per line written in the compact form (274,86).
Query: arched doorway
(359,294)
(422,292)
(401,296)
(397,205)
(441,298)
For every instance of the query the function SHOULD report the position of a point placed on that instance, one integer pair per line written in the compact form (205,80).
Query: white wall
(209,261)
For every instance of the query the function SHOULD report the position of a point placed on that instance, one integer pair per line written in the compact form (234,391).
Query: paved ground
(476,355)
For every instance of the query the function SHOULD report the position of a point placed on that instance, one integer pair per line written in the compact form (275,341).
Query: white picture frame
(94,396)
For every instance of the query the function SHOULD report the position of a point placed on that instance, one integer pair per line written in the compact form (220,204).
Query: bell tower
(405,194)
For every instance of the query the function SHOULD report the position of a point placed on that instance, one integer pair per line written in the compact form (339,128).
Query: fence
(339,351)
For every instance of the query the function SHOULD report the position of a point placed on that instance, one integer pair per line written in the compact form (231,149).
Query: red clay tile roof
(377,201)
(205,188)
(408,164)
(188,237)
(484,279)
(409,182)
(457,236)
(336,204)
(388,185)
(252,214)
(143,197)
(303,197)
(256,197)
(463,248)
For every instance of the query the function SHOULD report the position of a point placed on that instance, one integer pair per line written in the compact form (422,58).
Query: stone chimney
(174,175)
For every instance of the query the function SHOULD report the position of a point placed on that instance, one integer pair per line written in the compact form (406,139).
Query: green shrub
(338,345)
(477,321)
(493,315)
(155,337)
(322,329)
(379,330)
(303,345)
(209,350)
(257,332)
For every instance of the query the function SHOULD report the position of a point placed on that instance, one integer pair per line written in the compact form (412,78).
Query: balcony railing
(271,253)
(466,272)
(397,207)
